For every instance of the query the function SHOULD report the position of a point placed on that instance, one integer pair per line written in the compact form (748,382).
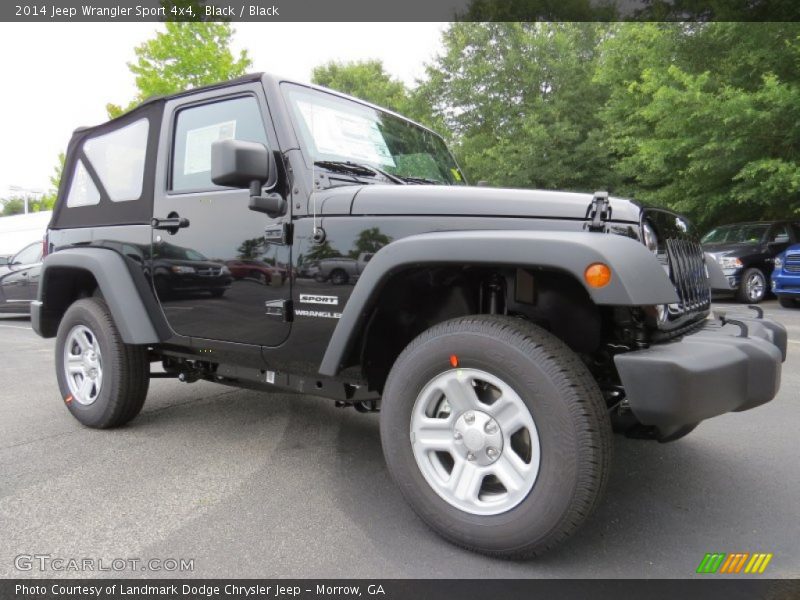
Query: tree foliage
(185,55)
(520,101)
(705,119)
(699,117)
(364,79)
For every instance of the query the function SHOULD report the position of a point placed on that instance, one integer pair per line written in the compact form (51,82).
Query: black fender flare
(137,317)
(637,279)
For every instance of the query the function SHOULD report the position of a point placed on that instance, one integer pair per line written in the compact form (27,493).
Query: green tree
(720,144)
(521,103)
(366,79)
(13,206)
(185,55)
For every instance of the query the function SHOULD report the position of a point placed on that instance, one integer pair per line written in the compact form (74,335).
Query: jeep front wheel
(103,381)
(496,434)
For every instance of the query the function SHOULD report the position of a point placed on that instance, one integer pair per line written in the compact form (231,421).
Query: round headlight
(650,238)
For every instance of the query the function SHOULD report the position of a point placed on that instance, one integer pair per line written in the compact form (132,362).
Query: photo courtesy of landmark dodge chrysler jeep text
(502,333)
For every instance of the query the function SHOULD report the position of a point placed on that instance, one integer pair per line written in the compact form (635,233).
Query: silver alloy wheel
(755,286)
(475,441)
(83,365)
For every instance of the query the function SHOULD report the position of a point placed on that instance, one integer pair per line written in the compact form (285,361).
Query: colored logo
(736,562)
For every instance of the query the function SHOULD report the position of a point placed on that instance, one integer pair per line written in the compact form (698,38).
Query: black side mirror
(237,163)
(240,164)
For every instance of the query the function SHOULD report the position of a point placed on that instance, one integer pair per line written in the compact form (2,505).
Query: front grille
(687,270)
(792,263)
(209,272)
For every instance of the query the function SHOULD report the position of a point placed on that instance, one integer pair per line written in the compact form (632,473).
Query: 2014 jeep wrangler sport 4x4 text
(502,333)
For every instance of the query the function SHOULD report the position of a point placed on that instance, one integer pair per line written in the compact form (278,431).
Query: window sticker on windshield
(345,134)
(198,145)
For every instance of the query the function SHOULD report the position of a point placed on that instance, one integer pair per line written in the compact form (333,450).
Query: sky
(59,76)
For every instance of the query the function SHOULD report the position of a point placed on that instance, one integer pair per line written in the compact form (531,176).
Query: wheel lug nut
(490,427)
(469,417)
(470,456)
(457,435)
(492,452)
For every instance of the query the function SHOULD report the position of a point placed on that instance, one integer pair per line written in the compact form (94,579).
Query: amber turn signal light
(597,275)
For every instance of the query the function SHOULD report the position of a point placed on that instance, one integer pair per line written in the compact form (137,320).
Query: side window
(28,255)
(118,157)
(779,234)
(82,191)
(198,127)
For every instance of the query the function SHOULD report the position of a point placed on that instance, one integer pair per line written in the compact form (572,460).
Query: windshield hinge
(599,211)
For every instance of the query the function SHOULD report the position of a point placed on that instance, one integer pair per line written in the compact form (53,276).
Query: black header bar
(396,10)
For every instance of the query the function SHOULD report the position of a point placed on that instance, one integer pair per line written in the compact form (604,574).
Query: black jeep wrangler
(501,332)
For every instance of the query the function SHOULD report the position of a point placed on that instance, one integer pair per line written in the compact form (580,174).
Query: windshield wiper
(357,169)
(420,180)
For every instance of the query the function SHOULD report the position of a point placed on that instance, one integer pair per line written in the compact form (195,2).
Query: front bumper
(732,364)
(786,284)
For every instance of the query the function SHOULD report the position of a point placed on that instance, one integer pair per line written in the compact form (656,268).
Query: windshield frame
(286,89)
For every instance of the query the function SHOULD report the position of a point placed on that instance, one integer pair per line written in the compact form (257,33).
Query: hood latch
(599,211)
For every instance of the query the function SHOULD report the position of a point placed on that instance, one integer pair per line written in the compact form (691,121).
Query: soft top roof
(248,78)
(160,100)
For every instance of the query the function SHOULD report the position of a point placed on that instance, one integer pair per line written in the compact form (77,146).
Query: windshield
(736,234)
(334,129)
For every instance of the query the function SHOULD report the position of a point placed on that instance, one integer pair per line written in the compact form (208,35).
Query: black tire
(125,368)
(218,292)
(568,410)
(752,279)
(787,302)
(339,277)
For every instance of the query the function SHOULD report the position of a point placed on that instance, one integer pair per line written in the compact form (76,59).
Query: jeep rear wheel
(496,434)
(102,380)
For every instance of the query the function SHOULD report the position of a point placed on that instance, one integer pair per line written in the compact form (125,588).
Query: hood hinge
(599,211)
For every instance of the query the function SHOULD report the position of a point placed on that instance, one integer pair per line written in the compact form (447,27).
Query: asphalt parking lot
(255,485)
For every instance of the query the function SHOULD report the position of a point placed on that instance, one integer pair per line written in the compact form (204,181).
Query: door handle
(171,224)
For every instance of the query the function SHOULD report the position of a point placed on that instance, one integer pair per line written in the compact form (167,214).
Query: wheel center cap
(478,437)
(474,440)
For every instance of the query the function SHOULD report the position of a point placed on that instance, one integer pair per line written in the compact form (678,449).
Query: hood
(468,201)
(731,248)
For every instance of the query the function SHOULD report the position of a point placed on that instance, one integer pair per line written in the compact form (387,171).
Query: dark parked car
(786,277)
(746,251)
(19,279)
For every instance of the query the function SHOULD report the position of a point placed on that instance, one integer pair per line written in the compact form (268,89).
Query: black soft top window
(109,172)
